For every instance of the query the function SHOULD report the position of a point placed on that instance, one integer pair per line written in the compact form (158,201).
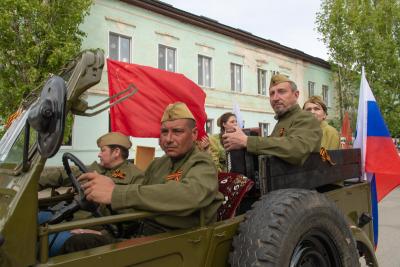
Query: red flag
(140,114)
(346,134)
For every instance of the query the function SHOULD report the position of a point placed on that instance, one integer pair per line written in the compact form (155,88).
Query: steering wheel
(64,211)
(83,203)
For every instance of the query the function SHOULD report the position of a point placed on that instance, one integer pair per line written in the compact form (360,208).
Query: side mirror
(47,116)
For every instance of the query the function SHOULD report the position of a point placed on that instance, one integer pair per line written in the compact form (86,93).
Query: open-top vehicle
(315,215)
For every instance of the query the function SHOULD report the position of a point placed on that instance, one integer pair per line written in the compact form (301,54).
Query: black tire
(294,227)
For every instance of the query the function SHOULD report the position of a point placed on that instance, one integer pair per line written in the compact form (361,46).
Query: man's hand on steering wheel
(84,204)
(97,188)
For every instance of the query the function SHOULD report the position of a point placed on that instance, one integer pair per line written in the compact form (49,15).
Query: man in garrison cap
(296,134)
(177,185)
(114,151)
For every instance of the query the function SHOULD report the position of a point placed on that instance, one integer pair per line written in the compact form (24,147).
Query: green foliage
(364,33)
(37,38)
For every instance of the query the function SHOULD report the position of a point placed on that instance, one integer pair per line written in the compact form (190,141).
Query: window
(166,58)
(325,90)
(119,47)
(236,77)
(204,71)
(262,82)
(264,128)
(311,86)
(209,126)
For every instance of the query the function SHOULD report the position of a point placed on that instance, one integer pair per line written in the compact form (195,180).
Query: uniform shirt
(330,136)
(177,189)
(125,173)
(295,136)
(218,152)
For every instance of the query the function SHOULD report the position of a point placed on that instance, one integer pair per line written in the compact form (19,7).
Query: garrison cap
(114,138)
(315,99)
(277,79)
(177,110)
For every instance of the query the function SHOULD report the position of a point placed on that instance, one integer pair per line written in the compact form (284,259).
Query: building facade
(232,66)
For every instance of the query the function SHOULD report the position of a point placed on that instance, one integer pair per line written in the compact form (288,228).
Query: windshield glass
(12,143)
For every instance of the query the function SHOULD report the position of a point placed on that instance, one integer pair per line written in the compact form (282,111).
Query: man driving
(113,155)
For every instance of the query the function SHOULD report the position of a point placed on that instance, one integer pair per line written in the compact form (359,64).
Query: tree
(37,38)
(364,33)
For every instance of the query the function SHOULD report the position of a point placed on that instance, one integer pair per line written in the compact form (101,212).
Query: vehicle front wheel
(294,227)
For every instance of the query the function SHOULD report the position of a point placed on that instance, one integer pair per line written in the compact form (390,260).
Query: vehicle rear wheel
(294,227)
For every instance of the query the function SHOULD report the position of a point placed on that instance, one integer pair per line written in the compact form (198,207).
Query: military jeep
(318,214)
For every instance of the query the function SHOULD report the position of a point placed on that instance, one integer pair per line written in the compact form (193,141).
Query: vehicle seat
(233,186)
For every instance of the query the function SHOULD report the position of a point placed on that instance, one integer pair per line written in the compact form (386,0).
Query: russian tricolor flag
(380,160)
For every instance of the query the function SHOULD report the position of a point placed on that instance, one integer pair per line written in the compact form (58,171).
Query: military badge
(325,156)
(118,174)
(176,176)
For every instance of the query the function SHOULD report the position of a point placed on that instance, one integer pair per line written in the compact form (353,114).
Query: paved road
(388,252)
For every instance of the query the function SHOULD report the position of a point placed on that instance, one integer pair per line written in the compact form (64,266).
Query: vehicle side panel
(168,250)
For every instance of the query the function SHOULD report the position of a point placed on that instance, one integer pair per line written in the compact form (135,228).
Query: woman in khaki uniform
(330,136)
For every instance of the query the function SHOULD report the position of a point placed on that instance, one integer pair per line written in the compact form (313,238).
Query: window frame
(261,125)
(311,88)
(209,130)
(262,82)
(234,66)
(204,57)
(165,49)
(325,94)
(119,45)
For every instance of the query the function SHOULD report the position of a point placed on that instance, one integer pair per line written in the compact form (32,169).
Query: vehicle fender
(364,245)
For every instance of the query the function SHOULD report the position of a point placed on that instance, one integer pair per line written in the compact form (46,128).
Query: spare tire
(294,227)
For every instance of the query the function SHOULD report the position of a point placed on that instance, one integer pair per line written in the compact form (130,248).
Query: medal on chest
(118,174)
(175,176)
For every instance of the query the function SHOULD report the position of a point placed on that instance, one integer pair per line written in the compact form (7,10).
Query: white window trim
(211,73)
(266,82)
(241,77)
(176,55)
(119,46)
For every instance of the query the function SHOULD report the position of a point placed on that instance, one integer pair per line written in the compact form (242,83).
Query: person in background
(330,136)
(227,123)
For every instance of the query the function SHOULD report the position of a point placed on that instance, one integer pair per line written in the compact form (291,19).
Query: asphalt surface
(388,251)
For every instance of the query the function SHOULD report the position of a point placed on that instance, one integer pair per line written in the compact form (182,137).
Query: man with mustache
(296,134)
(178,185)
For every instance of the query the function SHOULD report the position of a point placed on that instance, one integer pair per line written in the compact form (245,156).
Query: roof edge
(213,25)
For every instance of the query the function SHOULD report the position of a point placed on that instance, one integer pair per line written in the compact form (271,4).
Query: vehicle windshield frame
(9,140)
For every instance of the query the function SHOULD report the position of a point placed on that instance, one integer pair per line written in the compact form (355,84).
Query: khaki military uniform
(125,173)
(178,189)
(330,136)
(294,137)
(218,152)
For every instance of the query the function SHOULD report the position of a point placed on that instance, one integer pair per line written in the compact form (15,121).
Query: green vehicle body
(25,243)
